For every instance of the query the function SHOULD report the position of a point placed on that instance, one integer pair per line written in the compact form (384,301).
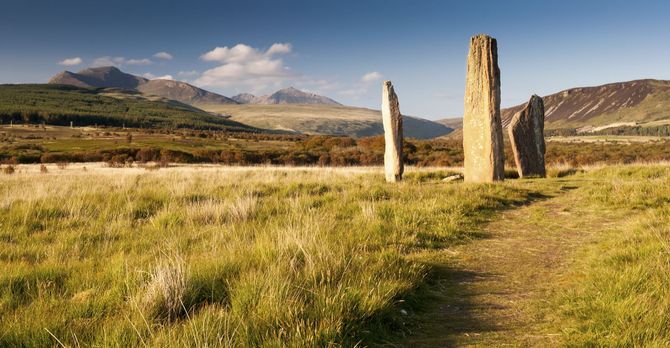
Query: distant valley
(324,119)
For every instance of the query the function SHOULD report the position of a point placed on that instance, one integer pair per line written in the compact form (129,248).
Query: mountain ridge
(599,105)
(109,76)
(289,95)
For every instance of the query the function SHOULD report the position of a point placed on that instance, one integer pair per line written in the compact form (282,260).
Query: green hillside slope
(61,104)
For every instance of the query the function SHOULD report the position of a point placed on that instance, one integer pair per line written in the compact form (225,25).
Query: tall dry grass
(265,257)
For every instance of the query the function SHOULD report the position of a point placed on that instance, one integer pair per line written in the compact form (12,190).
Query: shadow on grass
(435,314)
(440,311)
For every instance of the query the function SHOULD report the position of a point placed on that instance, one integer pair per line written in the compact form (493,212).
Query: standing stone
(482,129)
(392,119)
(526,133)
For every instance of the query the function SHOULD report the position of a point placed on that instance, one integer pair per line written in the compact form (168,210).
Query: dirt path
(492,292)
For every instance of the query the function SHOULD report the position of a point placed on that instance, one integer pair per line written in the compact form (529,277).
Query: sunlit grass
(255,257)
(205,256)
(619,295)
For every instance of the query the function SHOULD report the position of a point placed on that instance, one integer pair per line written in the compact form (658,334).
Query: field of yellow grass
(251,256)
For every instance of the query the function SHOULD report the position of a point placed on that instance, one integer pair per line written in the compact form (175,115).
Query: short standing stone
(526,133)
(482,128)
(392,119)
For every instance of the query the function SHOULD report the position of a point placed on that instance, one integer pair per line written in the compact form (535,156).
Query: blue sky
(342,48)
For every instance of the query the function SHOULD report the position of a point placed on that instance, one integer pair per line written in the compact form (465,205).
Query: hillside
(644,103)
(455,122)
(182,92)
(324,119)
(113,77)
(246,98)
(108,76)
(639,101)
(285,96)
(62,104)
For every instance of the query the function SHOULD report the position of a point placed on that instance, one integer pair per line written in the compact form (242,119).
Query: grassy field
(613,139)
(215,256)
(212,257)
(618,289)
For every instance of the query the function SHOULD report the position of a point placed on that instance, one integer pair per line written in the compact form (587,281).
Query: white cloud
(119,61)
(243,65)
(151,76)
(279,48)
(236,54)
(371,77)
(71,61)
(163,55)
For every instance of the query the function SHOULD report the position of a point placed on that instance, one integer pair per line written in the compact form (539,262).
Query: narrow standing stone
(482,128)
(526,133)
(392,119)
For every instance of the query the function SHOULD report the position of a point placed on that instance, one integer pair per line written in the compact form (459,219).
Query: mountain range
(287,110)
(285,96)
(109,76)
(584,108)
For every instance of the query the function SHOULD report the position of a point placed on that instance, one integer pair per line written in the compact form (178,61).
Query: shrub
(9,169)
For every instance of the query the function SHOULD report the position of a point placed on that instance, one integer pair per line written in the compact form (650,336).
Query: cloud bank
(246,66)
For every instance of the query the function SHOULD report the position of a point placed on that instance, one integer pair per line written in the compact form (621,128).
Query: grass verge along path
(496,291)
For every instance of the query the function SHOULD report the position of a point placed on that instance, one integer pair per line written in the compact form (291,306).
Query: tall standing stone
(482,129)
(392,119)
(526,133)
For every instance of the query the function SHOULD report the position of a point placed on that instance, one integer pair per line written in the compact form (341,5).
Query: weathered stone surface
(392,119)
(482,129)
(526,133)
